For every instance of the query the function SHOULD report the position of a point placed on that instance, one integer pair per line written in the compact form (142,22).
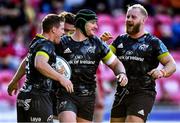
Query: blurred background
(20,21)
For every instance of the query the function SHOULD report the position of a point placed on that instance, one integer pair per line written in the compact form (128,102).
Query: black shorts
(54,102)
(83,106)
(53,94)
(34,107)
(139,104)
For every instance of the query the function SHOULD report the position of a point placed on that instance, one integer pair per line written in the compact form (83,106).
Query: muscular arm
(169,65)
(119,71)
(13,85)
(117,67)
(168,69)
(21,71)
(41,64)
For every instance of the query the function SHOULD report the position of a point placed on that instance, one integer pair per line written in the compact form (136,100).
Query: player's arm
(13,85)
(165,58)
(106,37)
(41,64)
(116,65)
(169,66)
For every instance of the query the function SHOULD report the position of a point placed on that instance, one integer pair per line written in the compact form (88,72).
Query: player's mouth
(129,24)
(94,30)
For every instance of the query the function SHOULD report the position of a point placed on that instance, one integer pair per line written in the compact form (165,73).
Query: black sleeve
(47,47)
(159,47)
(103,48)
(116,42)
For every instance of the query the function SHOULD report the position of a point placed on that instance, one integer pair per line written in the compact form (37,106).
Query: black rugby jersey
(139,56)
(34,77)
(83,57)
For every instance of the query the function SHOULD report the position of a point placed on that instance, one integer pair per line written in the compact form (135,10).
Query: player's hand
(122,78)
(67,84)
(12,88)
(106,36)
(156,74)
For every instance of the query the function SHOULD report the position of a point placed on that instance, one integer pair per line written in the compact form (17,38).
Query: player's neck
(48,36)
(137,35)
(78,36)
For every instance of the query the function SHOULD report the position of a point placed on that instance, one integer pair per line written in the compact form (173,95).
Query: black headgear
(82,17)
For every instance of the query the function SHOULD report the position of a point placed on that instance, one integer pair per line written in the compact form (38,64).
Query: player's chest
(80,51)
(133,51)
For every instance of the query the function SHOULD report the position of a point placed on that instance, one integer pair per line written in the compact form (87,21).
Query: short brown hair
(142,9)
(69,17)
(50,21)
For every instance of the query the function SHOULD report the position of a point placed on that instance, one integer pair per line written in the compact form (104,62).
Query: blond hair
(139,6)
(68,16)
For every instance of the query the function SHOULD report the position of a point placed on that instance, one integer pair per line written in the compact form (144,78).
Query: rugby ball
(61,62)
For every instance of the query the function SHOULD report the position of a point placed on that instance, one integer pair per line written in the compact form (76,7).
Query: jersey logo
(24,103)
(67,50)
(143,47)
(62,105)
(120,45)
(129,52)
(91,49)
(141,112)
(35,119)
(50,118)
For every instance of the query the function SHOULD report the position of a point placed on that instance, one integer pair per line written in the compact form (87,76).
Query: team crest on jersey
(143,47)
(91,49)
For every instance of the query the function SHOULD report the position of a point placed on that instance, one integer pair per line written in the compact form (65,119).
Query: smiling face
(91,27)
(134,21)
(58,32)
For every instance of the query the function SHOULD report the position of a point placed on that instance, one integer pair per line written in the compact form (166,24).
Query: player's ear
(144,19)
(53,30)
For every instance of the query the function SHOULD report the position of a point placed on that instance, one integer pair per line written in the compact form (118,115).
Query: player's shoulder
(65,39)
(95,38)
(152,38)
(41,42)
(122,37)
(46,43)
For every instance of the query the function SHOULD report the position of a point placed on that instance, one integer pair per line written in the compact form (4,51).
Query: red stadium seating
(165,24)
(5,77)
(120,24)
(149,26)
(168,89)
(105,24)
